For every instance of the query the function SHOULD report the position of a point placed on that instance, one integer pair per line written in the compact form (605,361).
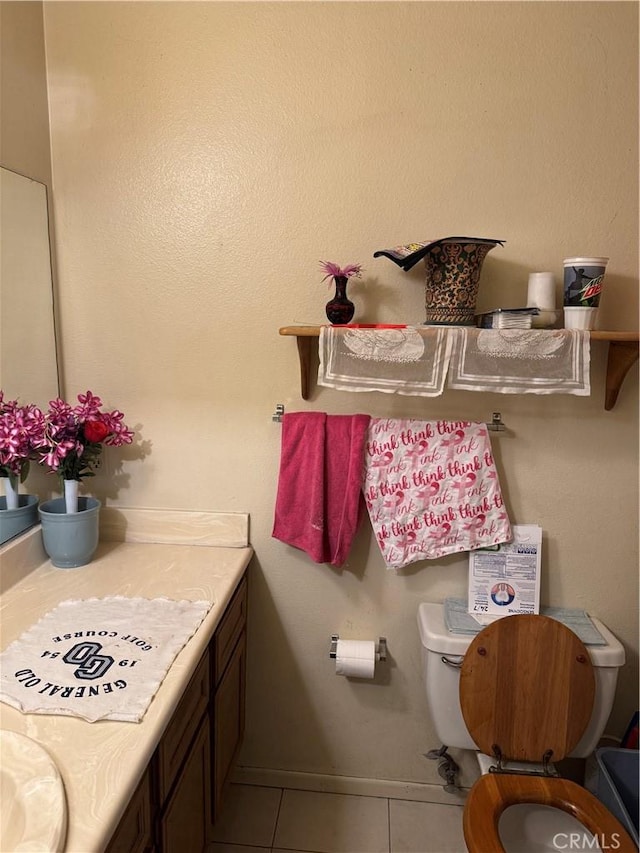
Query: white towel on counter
(99,659)
(431,489)
(405,360)
(516,361)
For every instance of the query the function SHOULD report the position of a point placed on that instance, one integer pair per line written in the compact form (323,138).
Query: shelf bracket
(621,357)
(304,354)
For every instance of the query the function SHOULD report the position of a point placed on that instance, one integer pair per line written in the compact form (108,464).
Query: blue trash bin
(618,785)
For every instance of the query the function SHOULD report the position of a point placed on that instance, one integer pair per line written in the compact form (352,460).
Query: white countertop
(101,763)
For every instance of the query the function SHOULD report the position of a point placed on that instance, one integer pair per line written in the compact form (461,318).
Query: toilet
(524,693)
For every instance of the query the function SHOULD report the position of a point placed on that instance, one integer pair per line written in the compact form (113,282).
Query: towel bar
(496,424)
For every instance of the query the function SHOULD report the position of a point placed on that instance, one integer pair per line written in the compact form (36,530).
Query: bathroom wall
(25,148)
(206,156)
(24,113)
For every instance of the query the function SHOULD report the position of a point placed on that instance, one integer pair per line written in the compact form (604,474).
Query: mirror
(28,364)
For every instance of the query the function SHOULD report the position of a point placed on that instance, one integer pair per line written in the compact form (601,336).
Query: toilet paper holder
(381,647)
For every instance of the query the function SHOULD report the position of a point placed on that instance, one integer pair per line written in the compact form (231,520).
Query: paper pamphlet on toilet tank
(99,659)
(506,580)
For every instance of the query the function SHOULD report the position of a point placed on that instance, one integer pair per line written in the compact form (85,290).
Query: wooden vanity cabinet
(183,768)
(135,830)
(228,716)
(185,820)
(178,799)
(228,674)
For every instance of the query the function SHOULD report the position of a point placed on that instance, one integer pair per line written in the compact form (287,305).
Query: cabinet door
(231,625)
(175,743)
(185,824)
(134,832)
(228,718)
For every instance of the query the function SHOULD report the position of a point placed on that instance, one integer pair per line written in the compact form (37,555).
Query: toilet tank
(442,650)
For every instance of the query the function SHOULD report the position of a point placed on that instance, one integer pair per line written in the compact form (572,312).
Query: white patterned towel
(431,488)
(99,659)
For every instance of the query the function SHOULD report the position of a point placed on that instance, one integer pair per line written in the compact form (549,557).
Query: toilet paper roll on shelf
(357,658)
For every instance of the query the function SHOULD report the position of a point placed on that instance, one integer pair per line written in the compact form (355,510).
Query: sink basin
(33,808)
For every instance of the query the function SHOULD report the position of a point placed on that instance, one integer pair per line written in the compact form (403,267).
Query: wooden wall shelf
(622,355)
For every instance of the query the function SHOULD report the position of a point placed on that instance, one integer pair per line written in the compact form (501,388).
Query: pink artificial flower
(74,435)
(89,407)
(119,433)
(334,271)
(21,436)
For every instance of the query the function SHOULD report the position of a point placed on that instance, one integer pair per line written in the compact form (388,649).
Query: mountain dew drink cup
(583,279)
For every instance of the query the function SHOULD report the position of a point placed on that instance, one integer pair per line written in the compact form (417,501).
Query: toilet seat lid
(527,685)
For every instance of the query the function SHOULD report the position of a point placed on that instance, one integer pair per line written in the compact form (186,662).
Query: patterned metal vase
(453,275)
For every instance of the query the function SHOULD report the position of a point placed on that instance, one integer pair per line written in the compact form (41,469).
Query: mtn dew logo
(592,288)
(583,281)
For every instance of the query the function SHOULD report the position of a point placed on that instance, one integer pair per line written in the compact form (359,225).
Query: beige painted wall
(25,148)
(206,156)
(24,110)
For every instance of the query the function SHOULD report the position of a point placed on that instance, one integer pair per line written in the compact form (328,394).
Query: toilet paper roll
(356,658)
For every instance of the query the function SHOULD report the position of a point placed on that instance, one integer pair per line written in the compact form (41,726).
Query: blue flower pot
(70,539)
(14,521)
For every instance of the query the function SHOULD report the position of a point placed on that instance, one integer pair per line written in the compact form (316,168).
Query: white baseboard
(326,783)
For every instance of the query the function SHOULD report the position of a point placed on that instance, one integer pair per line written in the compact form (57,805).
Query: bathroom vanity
(179,796)
(156,784)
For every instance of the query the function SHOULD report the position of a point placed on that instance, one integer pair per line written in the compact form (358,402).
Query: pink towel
(318,504)
(432,489)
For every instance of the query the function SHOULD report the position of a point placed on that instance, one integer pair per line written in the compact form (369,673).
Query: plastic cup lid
(587,262)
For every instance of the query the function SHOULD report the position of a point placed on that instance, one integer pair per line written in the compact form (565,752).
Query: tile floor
(276,820)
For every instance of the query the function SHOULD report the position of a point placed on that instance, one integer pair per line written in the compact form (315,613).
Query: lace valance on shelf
(415,360)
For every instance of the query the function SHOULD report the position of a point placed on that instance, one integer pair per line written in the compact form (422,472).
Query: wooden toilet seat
(494,792)
(527,686)
(527,690)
